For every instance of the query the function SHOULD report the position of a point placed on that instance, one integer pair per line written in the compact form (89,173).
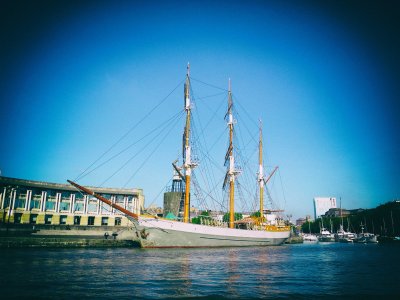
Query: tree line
(383,220)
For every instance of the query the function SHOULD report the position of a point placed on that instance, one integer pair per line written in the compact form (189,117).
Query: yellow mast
(231,171)
(261,175)
(187,164)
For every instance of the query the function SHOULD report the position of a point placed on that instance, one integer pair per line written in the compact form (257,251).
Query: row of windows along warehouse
(36,202)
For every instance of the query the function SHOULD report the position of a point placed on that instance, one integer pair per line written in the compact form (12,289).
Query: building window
(119,200)
(63,219)
(65,201)
(129,205)
(36,199)
(117,221)
(21,197)
(48,219)
(64,206)
(105,208)
(77,220)
(91,221)
(33,218)
(78,207)
(51,200)
(51,204)
(92,207)
(104,221)
(17,218)
(7,199)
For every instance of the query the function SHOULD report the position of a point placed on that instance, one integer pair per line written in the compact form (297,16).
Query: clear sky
(322,75)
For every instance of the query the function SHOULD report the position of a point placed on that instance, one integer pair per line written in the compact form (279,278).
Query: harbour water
(290,271)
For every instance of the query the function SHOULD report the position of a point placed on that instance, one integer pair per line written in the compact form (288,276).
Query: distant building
(194,212)
(322,205)
(300,221)
(155,210)
(355,211)
(337,212)
(341,212)
(37,202)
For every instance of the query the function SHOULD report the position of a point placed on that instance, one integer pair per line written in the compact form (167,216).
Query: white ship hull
(161,233)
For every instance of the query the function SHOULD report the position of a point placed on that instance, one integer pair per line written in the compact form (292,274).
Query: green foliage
(313,226)
(383,220)
(237,216)
(256,214)
(203,215)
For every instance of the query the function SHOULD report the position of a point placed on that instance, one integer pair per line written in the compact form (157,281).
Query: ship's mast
(261,175)
(231,169)
(187,164)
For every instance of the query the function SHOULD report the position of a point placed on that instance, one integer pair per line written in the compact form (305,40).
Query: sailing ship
(155,232)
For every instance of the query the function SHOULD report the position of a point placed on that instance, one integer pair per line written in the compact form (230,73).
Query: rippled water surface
(289,271)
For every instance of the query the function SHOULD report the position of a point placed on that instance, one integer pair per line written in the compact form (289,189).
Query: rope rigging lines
(82,174)
(208,138)
(169,126)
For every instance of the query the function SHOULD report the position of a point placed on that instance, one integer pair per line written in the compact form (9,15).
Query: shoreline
(63,242)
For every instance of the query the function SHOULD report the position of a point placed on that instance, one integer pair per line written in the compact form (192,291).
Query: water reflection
(232,272)
(185,285)
(307,270)
(263,273)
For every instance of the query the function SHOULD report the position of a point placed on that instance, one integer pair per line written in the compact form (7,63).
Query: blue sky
(323,77)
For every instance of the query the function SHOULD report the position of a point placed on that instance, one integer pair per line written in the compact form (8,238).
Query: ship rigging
(155,232)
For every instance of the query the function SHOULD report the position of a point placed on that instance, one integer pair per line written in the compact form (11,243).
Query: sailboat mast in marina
(154,232)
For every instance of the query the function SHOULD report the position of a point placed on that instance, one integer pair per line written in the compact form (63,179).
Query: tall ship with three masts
(154,232)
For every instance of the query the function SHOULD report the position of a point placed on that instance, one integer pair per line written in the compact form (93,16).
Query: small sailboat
(309,237)
(342,235)
(154,232)
(389,238)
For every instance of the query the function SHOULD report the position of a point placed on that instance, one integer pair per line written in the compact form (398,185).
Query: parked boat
(366,237)
(326,236)
(154,232)
(389,238)
(310,238)
(344,236)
